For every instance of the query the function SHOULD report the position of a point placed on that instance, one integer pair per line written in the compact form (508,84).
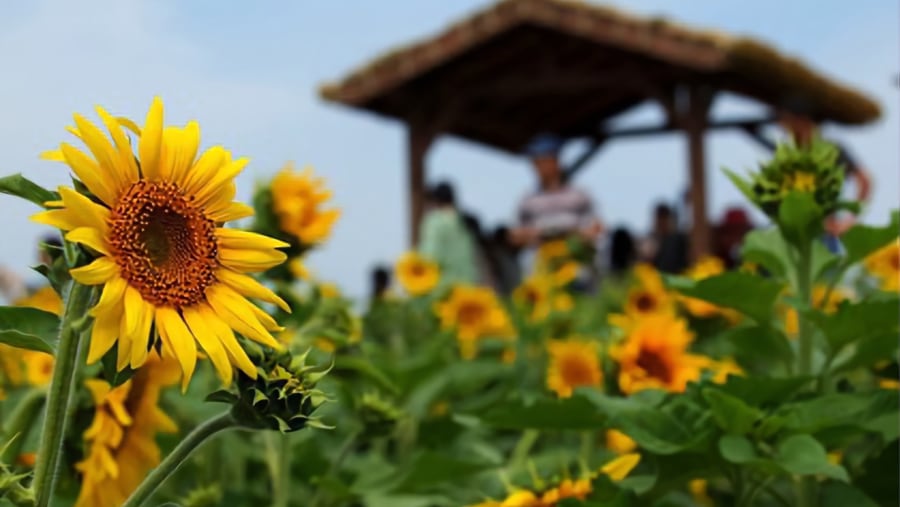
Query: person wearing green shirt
(444,238)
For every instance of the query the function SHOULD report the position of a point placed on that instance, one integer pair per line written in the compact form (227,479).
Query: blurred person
(622,252)
(381,283)
(481,247)
(445,238)
(556,210)
(666,247)
(729,236)
(504,258)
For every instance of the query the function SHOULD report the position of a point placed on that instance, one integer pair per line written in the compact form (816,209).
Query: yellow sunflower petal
(111,297)
(123,350)
(236,311)
(59,218)
(252,261)
(98,272)
(249,287)
(111,167)
(177,337)
(236,353)
(127,164)
(129,124)
(141,340)
(103,334)
(150,144)
(89,237)
(206,166)
(210,343)
(87,212)
(53,155)
(219,179)
(180,150)
(620,467)
(221,198)
(233,211)
(89,173)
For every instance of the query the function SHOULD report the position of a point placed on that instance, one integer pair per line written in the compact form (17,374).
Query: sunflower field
(174,360)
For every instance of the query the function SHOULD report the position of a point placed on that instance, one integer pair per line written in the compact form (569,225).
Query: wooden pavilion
(524,67)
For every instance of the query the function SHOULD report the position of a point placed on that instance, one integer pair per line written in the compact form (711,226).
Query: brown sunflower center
(894,259)
(576,371)
(653,363)
(164,245)
(417,270)
(645,302)
(471,314)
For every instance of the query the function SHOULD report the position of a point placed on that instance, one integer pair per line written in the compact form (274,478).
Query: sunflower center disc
(164,245)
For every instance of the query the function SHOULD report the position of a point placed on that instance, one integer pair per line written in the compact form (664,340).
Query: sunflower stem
(806,487)
(60,394)
(178,456)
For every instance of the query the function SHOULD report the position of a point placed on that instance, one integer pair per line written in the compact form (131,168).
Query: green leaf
(804,455)
(749,294)
(731,414)
(366,369)
(758,391)
(823,260)
(28,328)
(21,186)
(856,321)
(575,413)
(835,410)
(737,449)
(800,218)
(767,248)
(657,430)
(838,494)
(866,352)
(745,186)
(222,396)
(431,468)
(761,343)
(860,241)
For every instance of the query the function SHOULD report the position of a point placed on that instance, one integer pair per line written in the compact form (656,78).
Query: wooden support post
(694,122)
(419,141)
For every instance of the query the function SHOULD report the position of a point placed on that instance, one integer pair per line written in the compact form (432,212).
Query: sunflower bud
(378,415)
(814,170)
(282,397)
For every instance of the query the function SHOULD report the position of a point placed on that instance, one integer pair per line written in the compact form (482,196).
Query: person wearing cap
(556,210)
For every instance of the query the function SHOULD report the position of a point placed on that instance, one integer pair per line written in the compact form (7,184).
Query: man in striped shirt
(556,210)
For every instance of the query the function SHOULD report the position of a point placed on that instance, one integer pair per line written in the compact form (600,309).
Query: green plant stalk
(342,454)
(20,422)
(278,459)
(804,292)
(178,456)
(523,448)
(806,489)
(60,393)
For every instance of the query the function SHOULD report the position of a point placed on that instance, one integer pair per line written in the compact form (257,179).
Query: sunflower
(533,295)
(654,355)
(473,313)
(298,269)
(417,274)
(170,273)
(698,488)
(573,363)
(297,199)
(819,294)
(121,440)
(649,296)
(884,265)
(568,488)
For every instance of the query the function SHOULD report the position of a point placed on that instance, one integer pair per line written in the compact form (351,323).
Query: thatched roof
(523,66)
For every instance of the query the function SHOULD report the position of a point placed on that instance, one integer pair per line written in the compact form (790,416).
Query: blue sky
(249,73)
